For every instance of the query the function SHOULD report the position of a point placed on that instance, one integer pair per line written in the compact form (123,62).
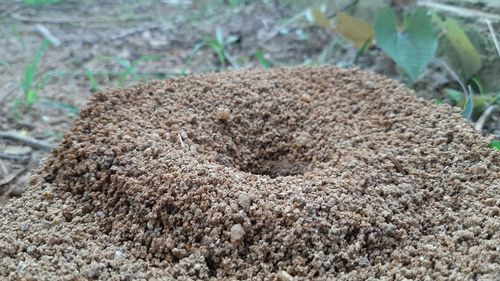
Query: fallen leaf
(470,59)
(357,31)
(320,19)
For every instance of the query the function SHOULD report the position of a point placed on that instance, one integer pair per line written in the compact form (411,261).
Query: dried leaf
(357,31)
(470,59)
(320,19)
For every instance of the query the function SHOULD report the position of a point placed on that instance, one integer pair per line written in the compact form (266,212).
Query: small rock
(179,253)
(32,251)
(151,224)
(222,115)
(306,98)
(21,266)
(303,139)
(118,254)
(284,276)
(170,243)
(93,273)
(463,235)
(244,200)
(237,233)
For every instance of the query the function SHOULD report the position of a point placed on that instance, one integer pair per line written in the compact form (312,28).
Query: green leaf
(93,83)
(413,48)
(476,84)
(454,95)
(70,109)
(218,49)
(219,37)
(259,55)
(468,107)
(41,2)
(494,144)
(31,97)
(470,60)
(30,71)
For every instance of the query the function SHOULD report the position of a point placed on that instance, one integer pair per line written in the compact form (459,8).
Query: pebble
(237,233)
(284,276)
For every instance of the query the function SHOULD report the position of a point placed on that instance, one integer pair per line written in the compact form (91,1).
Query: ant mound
(305,173)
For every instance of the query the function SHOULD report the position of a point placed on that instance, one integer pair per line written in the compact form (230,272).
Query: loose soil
(315,173)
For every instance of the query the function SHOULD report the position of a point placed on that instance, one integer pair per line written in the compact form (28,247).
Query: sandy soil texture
(305,173)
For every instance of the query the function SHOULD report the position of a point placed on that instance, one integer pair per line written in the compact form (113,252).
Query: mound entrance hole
(265,144)
(277,164)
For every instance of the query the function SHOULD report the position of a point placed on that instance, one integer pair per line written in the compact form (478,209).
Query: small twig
(486,114)
(45,32)
(14,157)
(463,12)
(34,143)
(493,35)
(454,75)
(12,176)
(180,140)
(42,20)
(396,163)
(132,31)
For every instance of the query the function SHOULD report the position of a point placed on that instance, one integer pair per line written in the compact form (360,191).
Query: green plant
(185,70)
(29,86)
(41,2)
(472,105)
(259,55)
(218,44)
(128,68)
(69,109)
(469,60)
(468,106)
(93,82)
(494,144)
(414,47)
(236,3)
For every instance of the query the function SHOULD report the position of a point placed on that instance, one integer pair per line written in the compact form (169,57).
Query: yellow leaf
(357,31)
(320,19)
(468,54)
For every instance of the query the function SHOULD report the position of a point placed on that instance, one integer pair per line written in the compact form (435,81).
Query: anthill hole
(275,164)
(265,144)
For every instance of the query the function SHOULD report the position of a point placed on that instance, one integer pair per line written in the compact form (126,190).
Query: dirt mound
(305,172)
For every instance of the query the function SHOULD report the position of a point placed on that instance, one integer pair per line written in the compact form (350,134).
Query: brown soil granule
(297,173)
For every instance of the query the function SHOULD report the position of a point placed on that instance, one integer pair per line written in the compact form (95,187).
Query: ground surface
(118,43)
(315,173)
